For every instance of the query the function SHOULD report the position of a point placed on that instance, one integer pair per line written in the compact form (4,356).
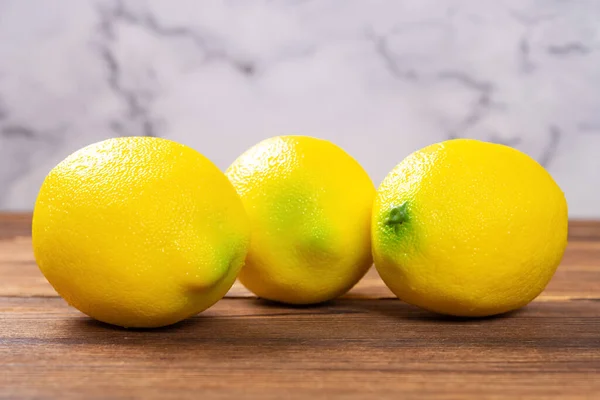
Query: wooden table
(366,345)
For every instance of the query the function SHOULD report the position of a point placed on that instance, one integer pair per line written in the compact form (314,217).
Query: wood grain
(365,345)
(355,348)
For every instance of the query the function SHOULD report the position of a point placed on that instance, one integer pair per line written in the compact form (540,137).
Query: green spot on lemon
(398,215)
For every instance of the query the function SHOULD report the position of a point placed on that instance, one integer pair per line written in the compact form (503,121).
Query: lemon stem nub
(398,215)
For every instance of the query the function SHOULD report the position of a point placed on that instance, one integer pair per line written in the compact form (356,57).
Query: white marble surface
(380,78)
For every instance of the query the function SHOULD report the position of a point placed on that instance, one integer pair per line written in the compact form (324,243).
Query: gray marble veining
(380,78)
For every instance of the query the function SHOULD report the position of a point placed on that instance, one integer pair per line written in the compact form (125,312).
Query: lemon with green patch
(139,231)
(309,204)
(468,228)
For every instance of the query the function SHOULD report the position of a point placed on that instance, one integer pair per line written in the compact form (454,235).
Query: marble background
(380,78)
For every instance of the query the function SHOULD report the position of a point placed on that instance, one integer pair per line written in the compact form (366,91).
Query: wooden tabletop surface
(365,345)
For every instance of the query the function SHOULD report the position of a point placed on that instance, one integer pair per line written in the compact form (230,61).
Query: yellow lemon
(468,228)
(139,231)
(309,204)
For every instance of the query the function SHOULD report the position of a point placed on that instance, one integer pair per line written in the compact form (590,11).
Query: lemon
(468,228)
(309,204)
(139,231)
